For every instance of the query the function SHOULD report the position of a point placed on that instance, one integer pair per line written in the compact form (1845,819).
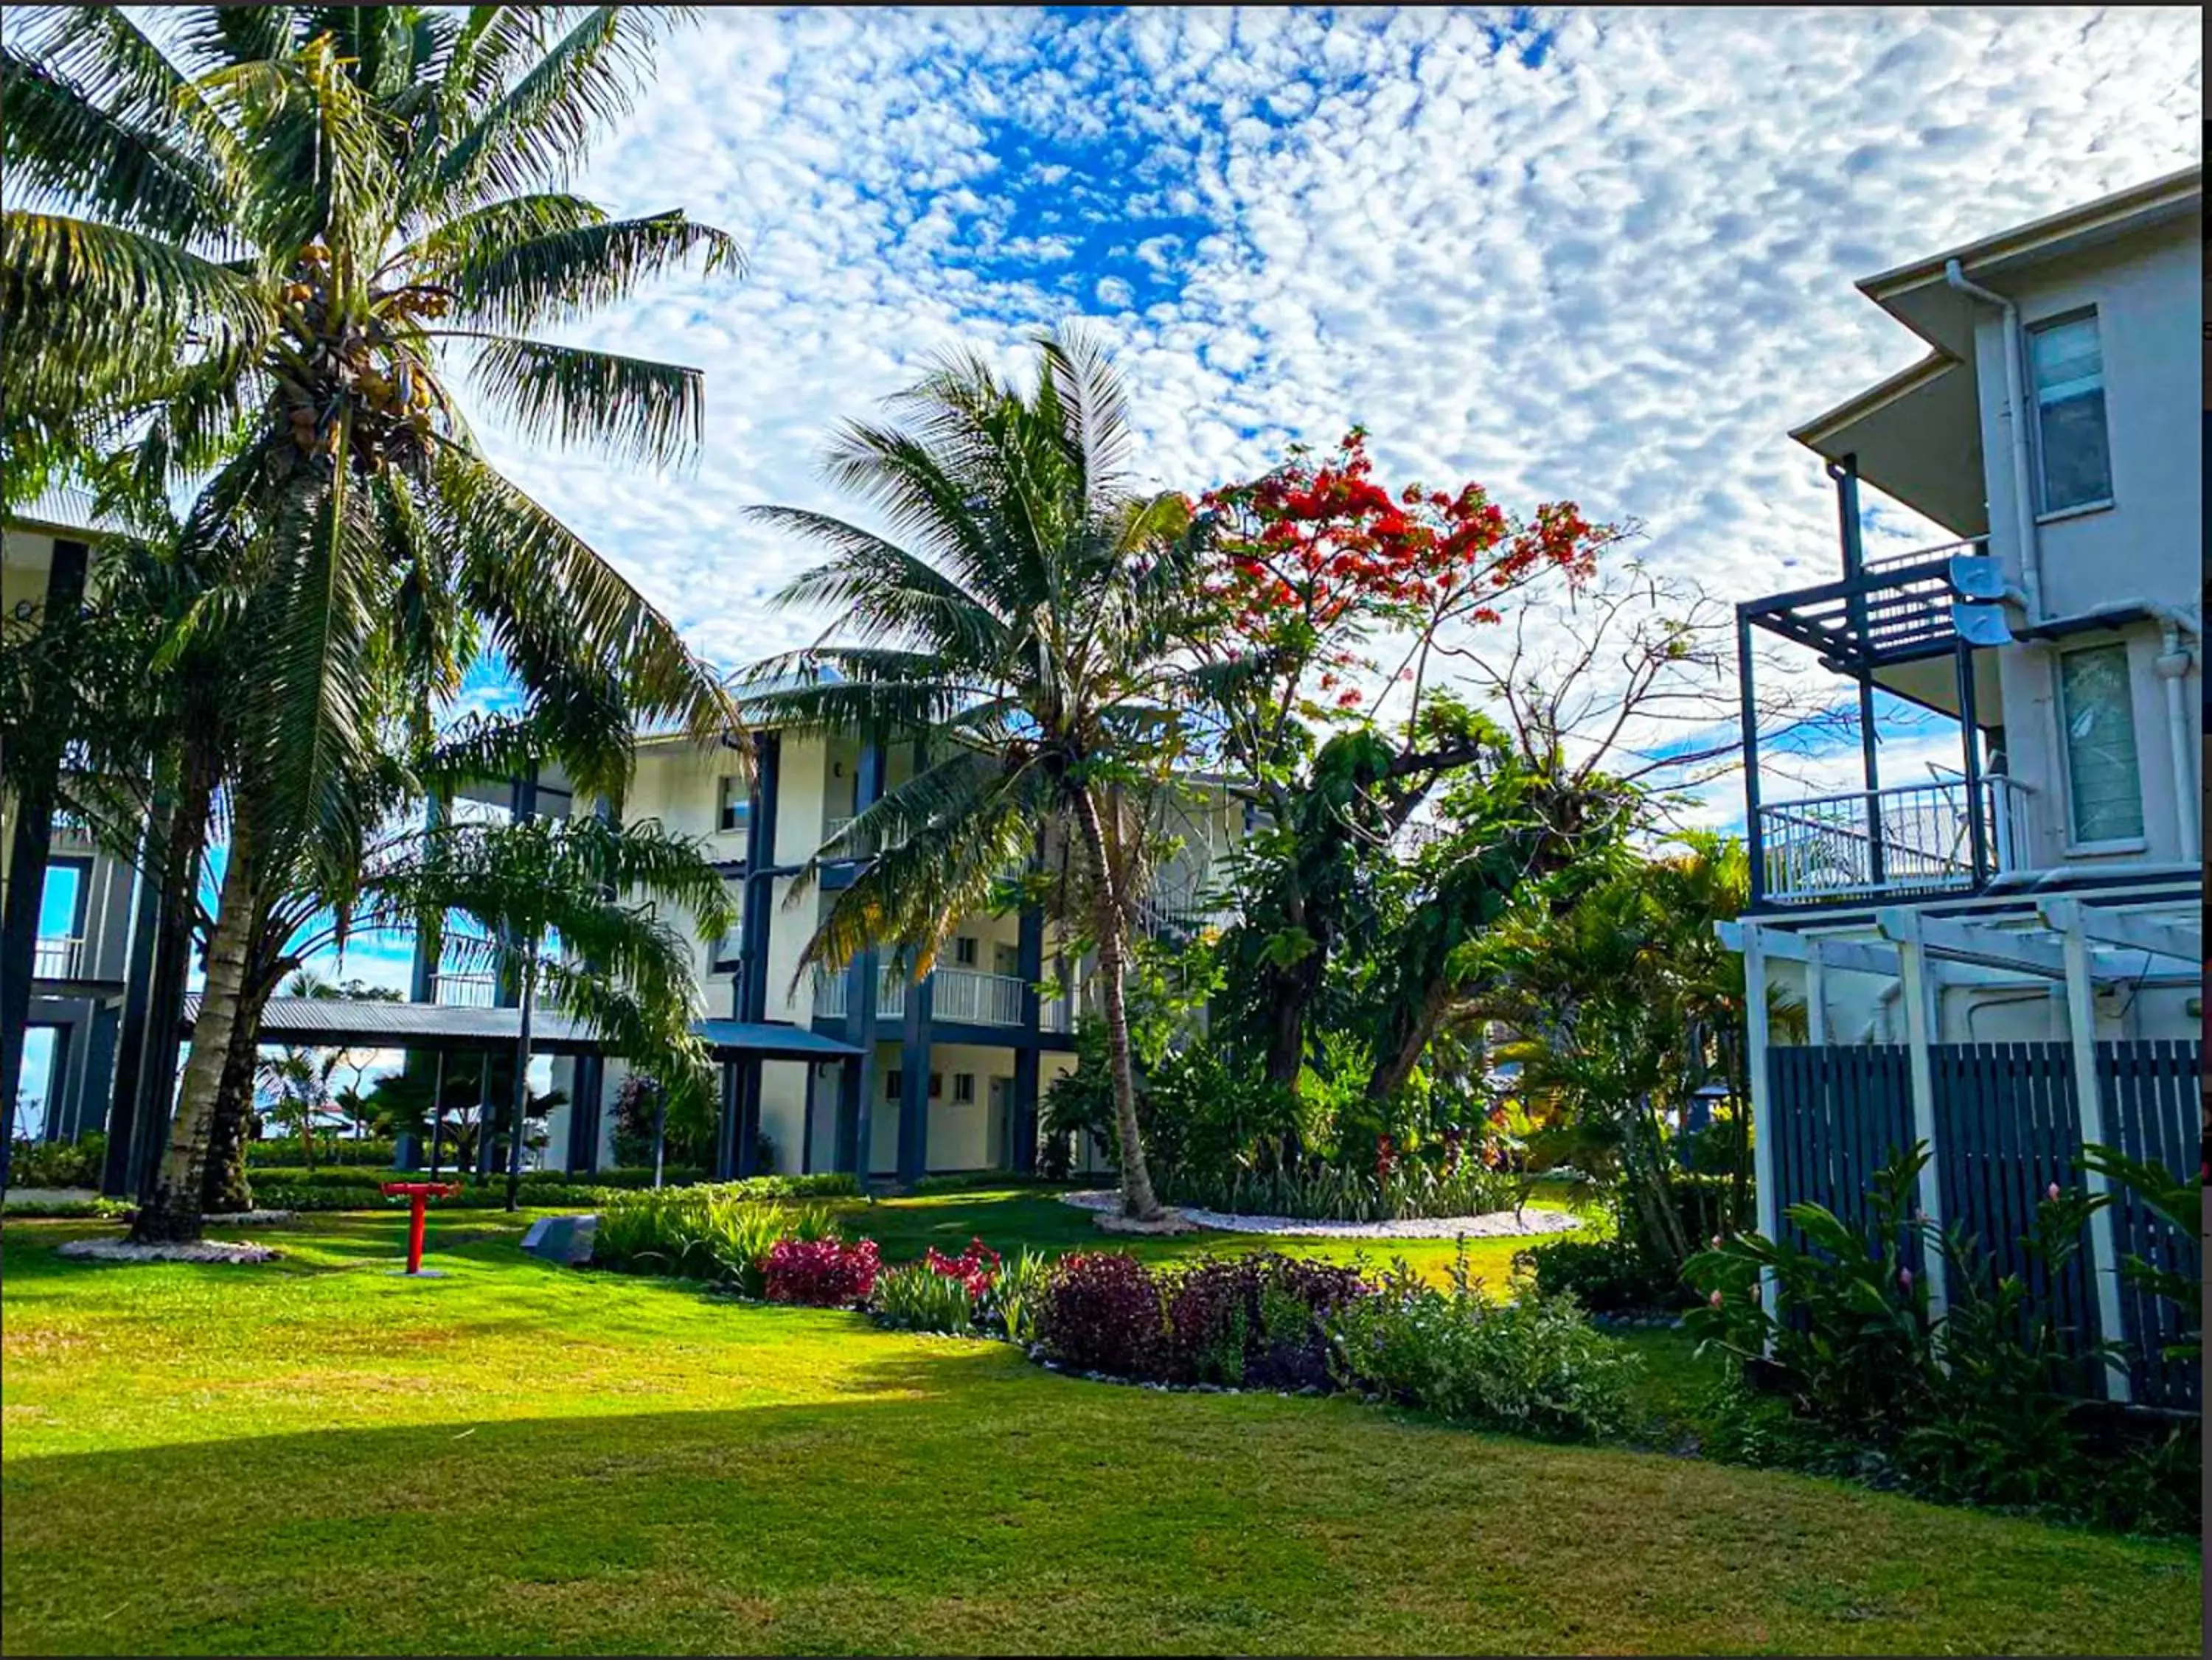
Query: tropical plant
(1534,1365)
(619,966)
(1015,1294)
(279,240)
(918,1297)
(2180,1204)
(1024,625)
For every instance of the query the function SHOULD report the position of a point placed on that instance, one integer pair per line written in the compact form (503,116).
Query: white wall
(2148,293)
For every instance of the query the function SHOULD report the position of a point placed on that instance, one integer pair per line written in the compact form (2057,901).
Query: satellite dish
(1981,625)
(1977,576)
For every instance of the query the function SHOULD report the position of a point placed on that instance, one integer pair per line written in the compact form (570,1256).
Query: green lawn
(1007,1218)
(315,1455)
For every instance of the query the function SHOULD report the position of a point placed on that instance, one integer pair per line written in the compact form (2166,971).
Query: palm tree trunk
(226,1188)
(521,1079)
(173,1213)
(1137,1199)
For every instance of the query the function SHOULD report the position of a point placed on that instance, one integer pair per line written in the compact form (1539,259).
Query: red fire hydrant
(420,1193)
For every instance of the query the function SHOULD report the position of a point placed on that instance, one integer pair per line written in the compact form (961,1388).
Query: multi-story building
(2002,959)
(78,924)
(869,1070)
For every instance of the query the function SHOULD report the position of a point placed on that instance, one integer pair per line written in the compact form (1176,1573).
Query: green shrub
(1015,1295)
(1604,1276)
(1326,1194)
(970,1181)
(58,1164)
(700,1233)
(285,1151)
(51,1208)
(1981,1405)
(1535,1365)
(916,1298)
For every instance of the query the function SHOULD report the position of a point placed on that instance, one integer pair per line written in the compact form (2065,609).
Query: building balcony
(958,996)
(1914,839)
(57,957)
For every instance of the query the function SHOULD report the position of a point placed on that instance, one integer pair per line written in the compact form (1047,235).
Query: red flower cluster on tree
(975,1267)
(1315,555)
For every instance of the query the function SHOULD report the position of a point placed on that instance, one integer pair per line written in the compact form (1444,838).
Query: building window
(1009,958)
(964,951)
(735,805)
(2103,780)
(2069,368)
(894,1084)
(937,1085)
(963,1088)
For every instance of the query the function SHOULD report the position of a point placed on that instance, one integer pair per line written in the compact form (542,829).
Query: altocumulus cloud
(1588,254)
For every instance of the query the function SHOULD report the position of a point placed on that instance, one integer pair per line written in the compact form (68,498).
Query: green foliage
(1319,1192)
(58,1164)
(1606,1276)
(1017,1294)
(99,1208)
(2181,1206)
(700,1233)
(1535,1365)
(285,1152)
(916,1298)
(1982,1405)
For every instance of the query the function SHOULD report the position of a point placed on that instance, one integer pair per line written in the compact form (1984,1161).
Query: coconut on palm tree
(1019,617)
(277,251)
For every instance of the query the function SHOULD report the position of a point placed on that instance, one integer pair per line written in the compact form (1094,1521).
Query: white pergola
(2068,944)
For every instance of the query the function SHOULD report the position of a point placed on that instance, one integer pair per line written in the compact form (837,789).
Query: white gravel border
(197,1251)
(1496,1224)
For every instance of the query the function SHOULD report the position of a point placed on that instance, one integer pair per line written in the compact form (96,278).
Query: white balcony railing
(468,991)
(1910,839)
(56,957)
(960,997)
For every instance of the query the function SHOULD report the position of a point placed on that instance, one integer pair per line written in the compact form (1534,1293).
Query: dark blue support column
(1023,1108)
(588,1083)
(856,1086)
(1754,832)
(85,1108)
(726,1127)
(429,931)
(751,1001)
(32,840)
(913,1094)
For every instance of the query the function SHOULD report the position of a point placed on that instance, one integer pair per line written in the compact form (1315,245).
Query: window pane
(2103,778)
(2069,368)
(2065,351)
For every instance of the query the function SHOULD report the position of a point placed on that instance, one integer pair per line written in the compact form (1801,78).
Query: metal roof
(61,507)
(331,1021)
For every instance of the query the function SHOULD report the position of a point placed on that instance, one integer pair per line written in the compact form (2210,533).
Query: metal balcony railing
(1908,839)
(960,997)
(464,991)
(56,957)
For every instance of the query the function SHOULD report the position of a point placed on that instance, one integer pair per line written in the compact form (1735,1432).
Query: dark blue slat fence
(2007,1124)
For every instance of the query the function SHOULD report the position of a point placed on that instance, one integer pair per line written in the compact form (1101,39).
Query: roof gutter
(2031,550)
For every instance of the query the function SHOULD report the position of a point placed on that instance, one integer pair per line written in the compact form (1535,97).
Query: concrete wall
(2147,544)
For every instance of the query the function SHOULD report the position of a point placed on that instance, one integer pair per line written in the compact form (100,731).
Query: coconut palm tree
(272,249)
(1019,617)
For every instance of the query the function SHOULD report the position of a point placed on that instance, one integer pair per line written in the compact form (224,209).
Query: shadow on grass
(948,1499)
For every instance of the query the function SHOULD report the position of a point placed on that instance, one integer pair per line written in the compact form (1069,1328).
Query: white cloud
(1618,275)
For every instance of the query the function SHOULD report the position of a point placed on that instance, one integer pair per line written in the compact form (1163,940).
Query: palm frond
(61,149)
(549,600)
(515,275)
(627,406)
(539,128)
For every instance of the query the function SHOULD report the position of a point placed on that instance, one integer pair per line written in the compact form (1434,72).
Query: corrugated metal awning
(355,1024)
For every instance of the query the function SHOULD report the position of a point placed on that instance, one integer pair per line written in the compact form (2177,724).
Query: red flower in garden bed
(976,1267)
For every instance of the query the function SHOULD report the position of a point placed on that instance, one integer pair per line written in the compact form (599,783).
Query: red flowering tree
(1328,602)
(1327,590)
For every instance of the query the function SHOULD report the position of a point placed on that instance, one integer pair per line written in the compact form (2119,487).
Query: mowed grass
(315,1455)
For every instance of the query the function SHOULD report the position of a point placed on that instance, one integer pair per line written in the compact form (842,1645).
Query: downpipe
(2023,494)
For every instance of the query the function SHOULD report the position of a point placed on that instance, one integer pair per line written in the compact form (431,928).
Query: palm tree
(551,896)
(1022,625)
(268,250)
